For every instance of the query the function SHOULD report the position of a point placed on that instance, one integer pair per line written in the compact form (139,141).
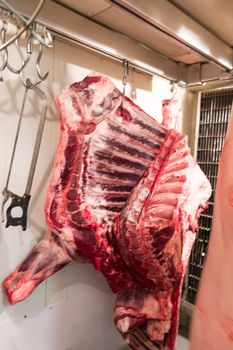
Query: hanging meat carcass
(172,115)
(125,196)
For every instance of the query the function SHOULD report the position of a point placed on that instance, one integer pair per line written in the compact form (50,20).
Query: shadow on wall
(74,67)
(9,104)
(83,274)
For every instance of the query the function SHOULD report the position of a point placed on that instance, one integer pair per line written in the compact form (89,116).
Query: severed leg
(143,317)
(47,257)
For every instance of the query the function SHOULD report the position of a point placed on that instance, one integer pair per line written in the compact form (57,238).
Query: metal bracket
(17,202)
(201,73)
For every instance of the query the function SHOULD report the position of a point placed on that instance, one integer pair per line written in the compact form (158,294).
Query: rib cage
(143,218)
(117,154)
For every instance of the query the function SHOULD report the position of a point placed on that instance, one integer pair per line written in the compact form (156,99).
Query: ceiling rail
(169,19)
(85,32)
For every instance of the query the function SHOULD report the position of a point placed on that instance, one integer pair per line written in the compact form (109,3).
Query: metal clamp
(16,202)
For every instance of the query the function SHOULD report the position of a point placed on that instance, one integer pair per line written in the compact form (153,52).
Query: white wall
(73,309)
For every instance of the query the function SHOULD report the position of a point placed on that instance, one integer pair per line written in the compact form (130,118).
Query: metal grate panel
(215,109)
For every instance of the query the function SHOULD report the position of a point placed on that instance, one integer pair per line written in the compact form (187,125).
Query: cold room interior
(153,81)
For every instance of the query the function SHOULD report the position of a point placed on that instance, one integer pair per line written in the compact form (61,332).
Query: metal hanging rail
(26,23)
(168,17)
(15,25)
(121,60)
(87,33)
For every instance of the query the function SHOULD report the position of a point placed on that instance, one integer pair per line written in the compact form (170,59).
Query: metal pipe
(27,22)
(105,40)
(167,18)
(116,58)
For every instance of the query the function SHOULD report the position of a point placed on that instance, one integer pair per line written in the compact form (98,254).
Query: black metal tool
(16,200)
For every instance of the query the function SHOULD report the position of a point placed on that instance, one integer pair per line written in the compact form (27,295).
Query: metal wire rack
(215,109)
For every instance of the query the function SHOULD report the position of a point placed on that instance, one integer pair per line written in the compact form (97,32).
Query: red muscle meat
(171,111)
(125,196)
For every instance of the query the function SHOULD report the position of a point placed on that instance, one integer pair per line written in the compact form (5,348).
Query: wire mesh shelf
(215,109)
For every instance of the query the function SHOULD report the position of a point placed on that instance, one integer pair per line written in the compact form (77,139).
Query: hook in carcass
(23,201)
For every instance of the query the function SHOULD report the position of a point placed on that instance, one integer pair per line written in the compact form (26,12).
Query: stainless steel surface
(86,32)
(16,137)
(200,73)
(40,129)
(16,200)
(176,28)
(125,22)
(42,96)
(213,14)
(215,109)
(88,8)
(150,47)
(181,27)
(36,35)
(172,29)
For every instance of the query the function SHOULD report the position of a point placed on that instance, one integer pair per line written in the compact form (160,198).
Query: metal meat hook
(4,54)
(41,77)
(38,69)
(24,61)
(49,40)
(26,23)
(124,80)
(174,88)
(126,73)
(16,200)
